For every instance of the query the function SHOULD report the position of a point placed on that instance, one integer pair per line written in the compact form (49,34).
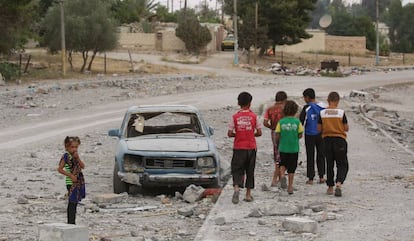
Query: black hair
(244,99)
(333,96)
(309,92)
(280,96)
(290,108)
(70,139)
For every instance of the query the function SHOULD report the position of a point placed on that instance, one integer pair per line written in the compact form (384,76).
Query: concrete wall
(139,41)
(165,40)
(344,44)
(319,42)
(170,42)
(216,38)
(316,43)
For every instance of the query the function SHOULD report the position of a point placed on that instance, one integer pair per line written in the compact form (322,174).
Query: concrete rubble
(278,69)
(167,215)
(300,225)
(109,198)
(369,104)
(193,193)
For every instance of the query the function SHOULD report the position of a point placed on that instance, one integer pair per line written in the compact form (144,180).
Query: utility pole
(236,45)
(255,30)
(377,60)
(185,7)
(222,12)
(216,10)
(62,37)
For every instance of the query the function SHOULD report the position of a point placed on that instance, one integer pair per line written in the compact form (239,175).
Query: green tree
(342,24)
(128,11)
(371,7)
(16,18)
(164,15)
(44,6)
(363,26)
(192,33)
(207,15)
(291,21)
(346,24)
(286,20)
(251,37)
(393,19)
(321,8)
(400,20)
(87,29)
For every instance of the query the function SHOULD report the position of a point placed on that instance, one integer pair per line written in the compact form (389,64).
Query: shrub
(193,34)
(9,71)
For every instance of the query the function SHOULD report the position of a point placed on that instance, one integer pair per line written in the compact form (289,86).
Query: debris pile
(390,122)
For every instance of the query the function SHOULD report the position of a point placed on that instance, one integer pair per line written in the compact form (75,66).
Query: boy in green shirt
(288,131)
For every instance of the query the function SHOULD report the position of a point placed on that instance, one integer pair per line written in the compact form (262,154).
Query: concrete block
(281,209)
(300,225)
(63,232)
(358,93)
(109,198)
(193,193)
(186,211)
(220,221)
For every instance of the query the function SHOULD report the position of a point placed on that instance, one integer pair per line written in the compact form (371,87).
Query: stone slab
(300,225)
(63,232)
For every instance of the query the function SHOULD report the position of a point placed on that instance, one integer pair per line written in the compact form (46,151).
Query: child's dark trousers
(336,149)
(312,142)
(243,163)
(71,209)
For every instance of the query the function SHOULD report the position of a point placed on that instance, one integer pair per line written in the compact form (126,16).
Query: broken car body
(164,146)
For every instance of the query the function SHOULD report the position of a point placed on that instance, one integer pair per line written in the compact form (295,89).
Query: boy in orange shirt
(334,125)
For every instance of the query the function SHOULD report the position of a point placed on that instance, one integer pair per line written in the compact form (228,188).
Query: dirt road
(377,203)
(96,114)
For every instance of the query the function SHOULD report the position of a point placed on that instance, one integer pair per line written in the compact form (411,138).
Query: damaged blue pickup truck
(164,146)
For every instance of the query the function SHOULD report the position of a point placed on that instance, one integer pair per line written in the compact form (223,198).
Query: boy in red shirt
(271,117)
(244,127)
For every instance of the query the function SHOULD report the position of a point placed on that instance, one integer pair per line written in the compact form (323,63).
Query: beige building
(321,42)
(165,40)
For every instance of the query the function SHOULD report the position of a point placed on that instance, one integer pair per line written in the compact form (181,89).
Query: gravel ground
(31,190)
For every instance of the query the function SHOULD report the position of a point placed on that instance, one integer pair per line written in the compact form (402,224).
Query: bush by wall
(9,71)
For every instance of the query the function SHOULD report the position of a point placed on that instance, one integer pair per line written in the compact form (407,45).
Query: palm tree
(128,11)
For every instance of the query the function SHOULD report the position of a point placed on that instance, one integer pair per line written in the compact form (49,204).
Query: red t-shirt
(274,114)
(244,124)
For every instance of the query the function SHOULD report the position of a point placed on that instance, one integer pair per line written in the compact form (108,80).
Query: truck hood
(169,144)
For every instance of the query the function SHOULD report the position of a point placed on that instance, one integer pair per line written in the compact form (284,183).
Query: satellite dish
(325,21)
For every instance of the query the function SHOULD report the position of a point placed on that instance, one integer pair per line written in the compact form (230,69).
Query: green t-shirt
(289,129)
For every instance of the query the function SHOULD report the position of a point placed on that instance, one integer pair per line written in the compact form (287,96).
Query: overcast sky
(358,1)
(190,3)
(212,3)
